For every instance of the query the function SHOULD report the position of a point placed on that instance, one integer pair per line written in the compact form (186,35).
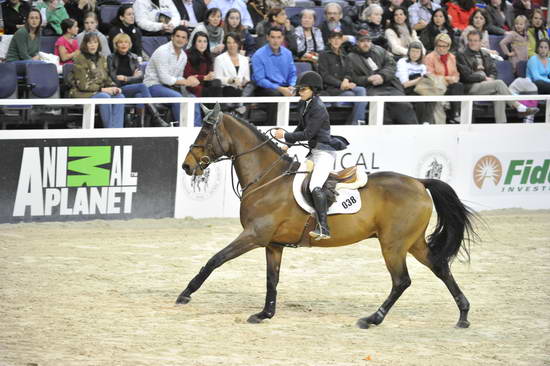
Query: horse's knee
(403,283)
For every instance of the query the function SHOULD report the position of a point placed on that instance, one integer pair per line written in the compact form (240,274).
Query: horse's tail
(454,230)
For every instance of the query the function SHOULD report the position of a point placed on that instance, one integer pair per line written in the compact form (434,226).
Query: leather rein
(205,160)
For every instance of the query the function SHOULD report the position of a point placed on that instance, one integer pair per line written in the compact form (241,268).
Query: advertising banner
(87,178)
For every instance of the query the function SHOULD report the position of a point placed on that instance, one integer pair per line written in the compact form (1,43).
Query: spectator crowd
(234,48)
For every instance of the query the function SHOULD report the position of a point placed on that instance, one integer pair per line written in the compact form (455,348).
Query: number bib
(348,201)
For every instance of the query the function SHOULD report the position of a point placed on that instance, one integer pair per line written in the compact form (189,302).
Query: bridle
(205,160)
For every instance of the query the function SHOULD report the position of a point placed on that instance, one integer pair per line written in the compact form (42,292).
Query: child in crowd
(66,46)
(90,26)
(518,41)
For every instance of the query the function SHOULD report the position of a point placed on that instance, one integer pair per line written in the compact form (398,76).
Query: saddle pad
(348,201)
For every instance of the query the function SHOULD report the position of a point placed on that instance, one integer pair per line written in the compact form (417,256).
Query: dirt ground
(103,293)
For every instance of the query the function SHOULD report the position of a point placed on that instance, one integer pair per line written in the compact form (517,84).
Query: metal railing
(376,105)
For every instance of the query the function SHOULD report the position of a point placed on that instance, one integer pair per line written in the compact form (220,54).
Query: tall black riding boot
(320,203)
(156,120)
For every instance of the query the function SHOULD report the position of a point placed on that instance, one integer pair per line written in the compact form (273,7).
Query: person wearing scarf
(212,26)
(400,34)
(442,62)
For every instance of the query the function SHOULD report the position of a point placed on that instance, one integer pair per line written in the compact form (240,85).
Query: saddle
(335,181)
(343,196)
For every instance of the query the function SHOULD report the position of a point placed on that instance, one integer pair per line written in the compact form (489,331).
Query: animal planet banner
(86,179)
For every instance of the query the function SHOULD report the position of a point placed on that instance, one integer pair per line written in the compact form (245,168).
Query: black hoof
(182,300)
(363,323)
(463,324)
(256,318)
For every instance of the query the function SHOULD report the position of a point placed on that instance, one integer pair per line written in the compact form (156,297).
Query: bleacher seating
(494,41)
(521,69)
(505,71)
(47,43)
(319,11)
(150,44)
(108,12)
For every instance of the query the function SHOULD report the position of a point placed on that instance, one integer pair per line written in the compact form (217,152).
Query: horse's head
(209,145)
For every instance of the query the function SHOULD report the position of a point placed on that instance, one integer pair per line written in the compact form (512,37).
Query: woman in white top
(156,17)
(233,70)
(399,33)
(410,71)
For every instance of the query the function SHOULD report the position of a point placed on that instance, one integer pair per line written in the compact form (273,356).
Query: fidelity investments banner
(85,179)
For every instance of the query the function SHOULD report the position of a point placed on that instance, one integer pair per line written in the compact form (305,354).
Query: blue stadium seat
(304,4)
(9,90)
(505,71)
(521,69)
(43,80)
(47,43)
(302,67)
(108,12)
(494,41)
(8,81)
(150,44)
(319,11)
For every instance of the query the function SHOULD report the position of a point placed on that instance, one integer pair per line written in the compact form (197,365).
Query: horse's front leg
(244,243)
(273,256)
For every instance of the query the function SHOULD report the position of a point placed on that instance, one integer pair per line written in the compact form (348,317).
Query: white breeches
(324,163)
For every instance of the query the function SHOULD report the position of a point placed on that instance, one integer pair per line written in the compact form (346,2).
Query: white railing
(376,104)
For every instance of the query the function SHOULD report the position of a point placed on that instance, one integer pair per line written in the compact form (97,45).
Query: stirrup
(319,233)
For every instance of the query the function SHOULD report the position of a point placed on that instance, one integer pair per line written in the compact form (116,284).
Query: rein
(205,161)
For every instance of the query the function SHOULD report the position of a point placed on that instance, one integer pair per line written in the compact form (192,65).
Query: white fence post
(547,106)
(88,117)
(466,110)
(283,113)
(376,113)
(187,113)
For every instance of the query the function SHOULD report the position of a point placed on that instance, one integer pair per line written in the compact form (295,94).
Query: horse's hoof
(363,323)
(182,300)
(463,324)
(255,319)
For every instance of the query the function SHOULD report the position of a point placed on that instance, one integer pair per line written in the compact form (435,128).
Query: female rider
(314,127)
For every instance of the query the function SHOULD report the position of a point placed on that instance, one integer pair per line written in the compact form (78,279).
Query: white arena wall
(490,167)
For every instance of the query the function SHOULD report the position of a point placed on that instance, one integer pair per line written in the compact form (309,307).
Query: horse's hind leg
(273,256)
(397,266)
(420,251)
(244,243)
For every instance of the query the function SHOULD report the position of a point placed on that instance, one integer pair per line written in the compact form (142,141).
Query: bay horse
(396,210)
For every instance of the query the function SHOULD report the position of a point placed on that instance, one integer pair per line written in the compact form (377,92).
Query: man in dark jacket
(15,14)
(478,73)
(336,74)
(191,12)
(374,68)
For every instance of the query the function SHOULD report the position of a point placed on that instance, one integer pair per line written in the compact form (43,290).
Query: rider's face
(305,93)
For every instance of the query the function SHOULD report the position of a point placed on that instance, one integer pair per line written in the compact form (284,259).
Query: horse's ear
(216,111)
(204,109)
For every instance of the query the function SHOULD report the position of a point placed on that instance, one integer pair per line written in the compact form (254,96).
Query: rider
(314,127)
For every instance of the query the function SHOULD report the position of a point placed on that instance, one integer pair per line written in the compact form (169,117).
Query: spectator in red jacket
(460,12)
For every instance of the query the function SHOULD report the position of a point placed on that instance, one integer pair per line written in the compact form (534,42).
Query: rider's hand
(284,147)
(279,134)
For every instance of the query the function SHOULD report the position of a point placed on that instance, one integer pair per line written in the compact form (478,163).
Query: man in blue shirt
(274,71)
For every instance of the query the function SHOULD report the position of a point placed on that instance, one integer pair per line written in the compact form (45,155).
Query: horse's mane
(262,136)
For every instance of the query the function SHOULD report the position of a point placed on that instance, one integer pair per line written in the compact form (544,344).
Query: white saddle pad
(348,201)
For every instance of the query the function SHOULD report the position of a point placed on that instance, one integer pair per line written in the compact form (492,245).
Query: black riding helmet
(312,80)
